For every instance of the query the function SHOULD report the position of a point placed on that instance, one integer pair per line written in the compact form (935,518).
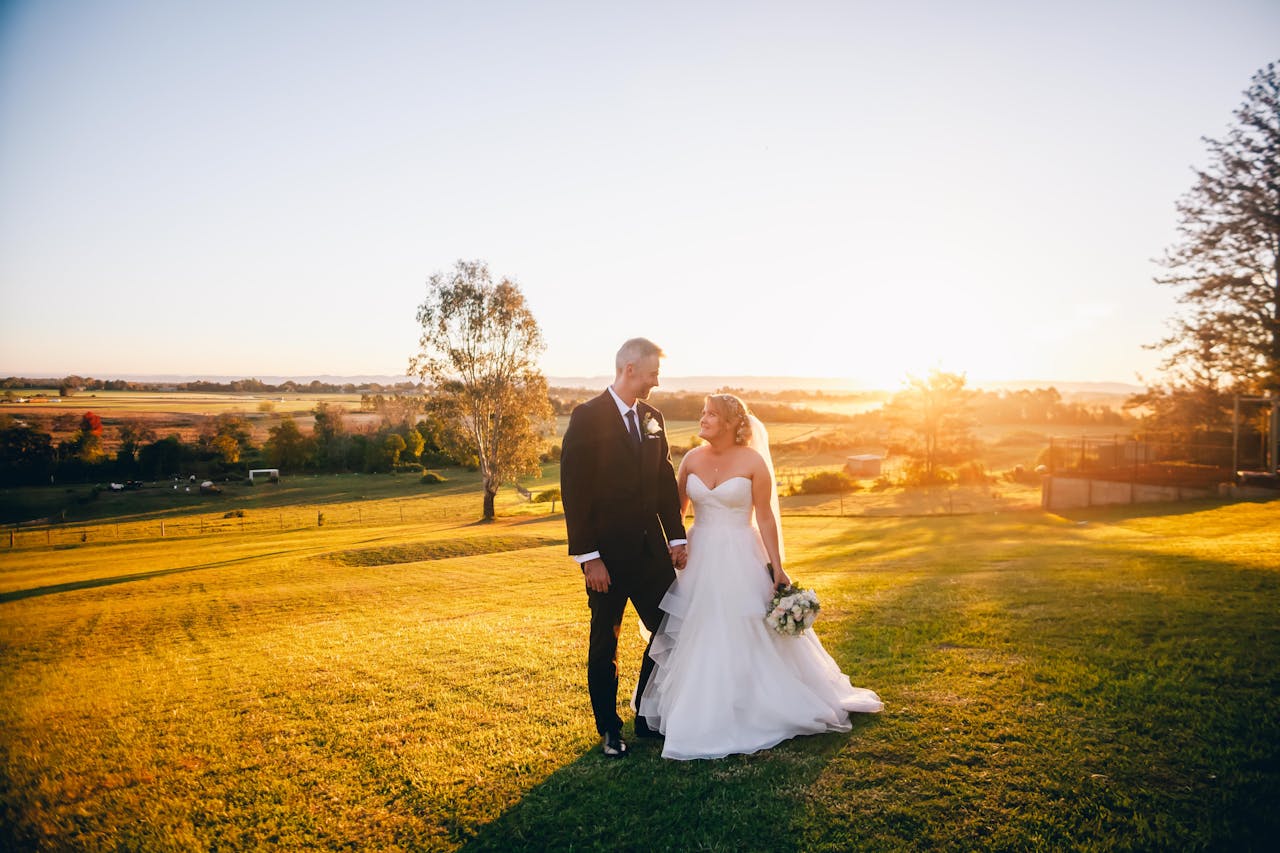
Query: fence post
(162,528)
(1133,475)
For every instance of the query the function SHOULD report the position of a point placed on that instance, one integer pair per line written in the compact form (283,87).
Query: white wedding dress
(725,682)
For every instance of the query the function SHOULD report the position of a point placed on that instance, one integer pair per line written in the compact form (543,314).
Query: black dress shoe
(643,729)
(613,746)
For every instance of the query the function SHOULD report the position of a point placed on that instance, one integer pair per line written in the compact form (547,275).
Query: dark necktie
(632,427)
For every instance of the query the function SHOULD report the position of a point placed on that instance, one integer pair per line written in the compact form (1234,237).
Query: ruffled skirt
(725,682)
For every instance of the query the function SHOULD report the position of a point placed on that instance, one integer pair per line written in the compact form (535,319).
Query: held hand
(781,578)
(679,556)
(596,575)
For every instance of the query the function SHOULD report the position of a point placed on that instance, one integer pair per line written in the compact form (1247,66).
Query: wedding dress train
(725,682)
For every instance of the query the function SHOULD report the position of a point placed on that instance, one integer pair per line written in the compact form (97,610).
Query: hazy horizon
(692,383)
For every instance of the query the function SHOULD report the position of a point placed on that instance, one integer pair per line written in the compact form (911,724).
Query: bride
(725,682)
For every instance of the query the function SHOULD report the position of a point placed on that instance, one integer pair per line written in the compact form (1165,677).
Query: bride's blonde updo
(735,413)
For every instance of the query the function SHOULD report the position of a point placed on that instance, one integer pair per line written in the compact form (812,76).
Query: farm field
(123,403)
(1108,680)
(89,516)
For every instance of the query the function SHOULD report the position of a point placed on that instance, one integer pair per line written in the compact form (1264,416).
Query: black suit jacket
(618,500)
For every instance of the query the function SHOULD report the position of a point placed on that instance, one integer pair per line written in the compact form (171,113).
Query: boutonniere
(651,426)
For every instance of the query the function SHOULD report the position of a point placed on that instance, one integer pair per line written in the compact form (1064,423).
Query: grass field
(1105,681)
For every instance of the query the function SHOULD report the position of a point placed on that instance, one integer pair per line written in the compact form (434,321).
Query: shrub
(546,496)
(435,459)
(552,455)
(882,482)
(235,513)
(828,482)
(973,473)
(406,468)
(915,474)
(431,477)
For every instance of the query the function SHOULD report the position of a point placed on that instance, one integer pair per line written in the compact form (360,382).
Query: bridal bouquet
(792,610)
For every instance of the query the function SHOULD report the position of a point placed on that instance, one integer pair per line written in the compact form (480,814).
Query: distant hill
(707,384)
(269,379)
(802,383)
(696,384)
(1122,388)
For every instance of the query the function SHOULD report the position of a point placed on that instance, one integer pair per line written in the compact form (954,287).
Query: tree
(234,426)
(1227,259)
(478,353)
(132,435)
(330,435)
(934,413)
(393,446)
(286,446)
(228,435)
(88,441)
(413,443)
(26,454)
(161,458)
(226,447)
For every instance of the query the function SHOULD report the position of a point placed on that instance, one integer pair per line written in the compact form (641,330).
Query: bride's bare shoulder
(752,457)
(690,458)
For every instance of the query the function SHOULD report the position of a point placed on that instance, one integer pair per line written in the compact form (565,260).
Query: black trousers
(643,582)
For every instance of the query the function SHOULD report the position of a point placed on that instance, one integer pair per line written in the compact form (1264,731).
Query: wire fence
(1159,460)
(376,513)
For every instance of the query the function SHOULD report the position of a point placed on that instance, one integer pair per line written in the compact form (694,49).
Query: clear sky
(855,189)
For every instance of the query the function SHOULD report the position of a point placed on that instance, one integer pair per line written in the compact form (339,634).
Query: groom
(622,510)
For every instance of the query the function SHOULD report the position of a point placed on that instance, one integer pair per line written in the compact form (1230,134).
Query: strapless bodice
(729,503)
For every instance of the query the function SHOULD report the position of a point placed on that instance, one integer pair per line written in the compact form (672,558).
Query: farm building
(863,465)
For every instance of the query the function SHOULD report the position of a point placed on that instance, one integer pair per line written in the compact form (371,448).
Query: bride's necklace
(715,467)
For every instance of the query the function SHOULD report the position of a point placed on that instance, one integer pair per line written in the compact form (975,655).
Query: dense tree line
(1039,406)
(404,440)
(70,385)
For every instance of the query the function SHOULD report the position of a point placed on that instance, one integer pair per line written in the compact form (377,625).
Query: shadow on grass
(95,583)
(1138,689)
(1124,512)
(358,558)
(646,802)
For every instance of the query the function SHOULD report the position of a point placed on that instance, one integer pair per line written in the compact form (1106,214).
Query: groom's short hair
(634,350)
